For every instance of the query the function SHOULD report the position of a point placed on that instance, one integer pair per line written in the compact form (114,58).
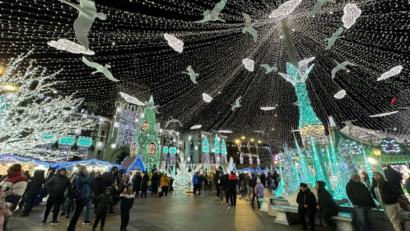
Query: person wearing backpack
(82,183)
(388,194)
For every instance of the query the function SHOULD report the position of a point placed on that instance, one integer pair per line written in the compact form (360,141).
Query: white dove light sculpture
(268,68)
(131,99)
(100,68)
(87,13)
(340,95)
(285,9)
(236,105)
(214,14)
(72,47)
(249,27)
(392,72)
(191,74)
(249,64)
(175,43)
(351,13)
(207,98)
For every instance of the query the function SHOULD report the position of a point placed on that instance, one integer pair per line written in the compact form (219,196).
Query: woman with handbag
(82,184)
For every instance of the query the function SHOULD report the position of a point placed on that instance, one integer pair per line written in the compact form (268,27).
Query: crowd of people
(70,195)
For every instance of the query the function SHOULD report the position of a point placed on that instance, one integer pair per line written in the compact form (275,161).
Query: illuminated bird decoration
(349,124)
(150,104)
(331,41)
(87,13)
(100,69)
(214,14)
(191,74)
(318,6)
(172,120)
(236,105)
(269,69)
(341,66)
(249,27)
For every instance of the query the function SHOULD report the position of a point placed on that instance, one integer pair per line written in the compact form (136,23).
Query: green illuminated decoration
(147,138)
(334,170)
(173,150)
(165,149)
(85,141)
(67,140)
(3,104)
(205,145)
(279,189)
(290,178)
(303,167)
(320,168)
(216,145)
(298,77)
(339,189)
(223,149)
(48,136)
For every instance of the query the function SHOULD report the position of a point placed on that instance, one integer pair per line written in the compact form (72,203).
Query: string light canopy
(132,40)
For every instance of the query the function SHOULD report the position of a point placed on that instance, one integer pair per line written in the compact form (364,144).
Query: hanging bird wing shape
(219,7)
(89,5)
(268,68)
(82,26)
(109,75)
(248,20)
(91,64)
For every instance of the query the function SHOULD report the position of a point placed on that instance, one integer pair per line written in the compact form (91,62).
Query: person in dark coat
(105,200)
(97,189)
(127,201)
(306,206)
(154,183)
(137,184)
(33,189)
(253,184)
(387,194)
(224,188)
(217,183)
(363,202)
(232,183)
(263,179)
(394,177)
(326,205)
(23,198)
(82,182)
(56,187)
(144,184)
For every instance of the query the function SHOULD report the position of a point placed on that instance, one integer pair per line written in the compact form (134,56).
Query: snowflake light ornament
(285,9)
(249,64)
(175,43)
(351,13)
(207,98)
(340,95)
(392,72)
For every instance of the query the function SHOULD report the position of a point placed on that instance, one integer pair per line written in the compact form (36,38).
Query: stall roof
(10,159)
(136,165)
(92,162)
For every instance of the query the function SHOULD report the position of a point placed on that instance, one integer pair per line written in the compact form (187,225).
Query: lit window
(145,126)
(152,148)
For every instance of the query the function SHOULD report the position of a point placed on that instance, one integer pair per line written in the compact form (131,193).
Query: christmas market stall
(27,164)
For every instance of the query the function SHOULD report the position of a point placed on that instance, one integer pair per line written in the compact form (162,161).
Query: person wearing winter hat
(307,206)
(127,201)
(326,205)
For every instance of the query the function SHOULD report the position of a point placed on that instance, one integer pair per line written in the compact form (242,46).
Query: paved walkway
(176,212)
